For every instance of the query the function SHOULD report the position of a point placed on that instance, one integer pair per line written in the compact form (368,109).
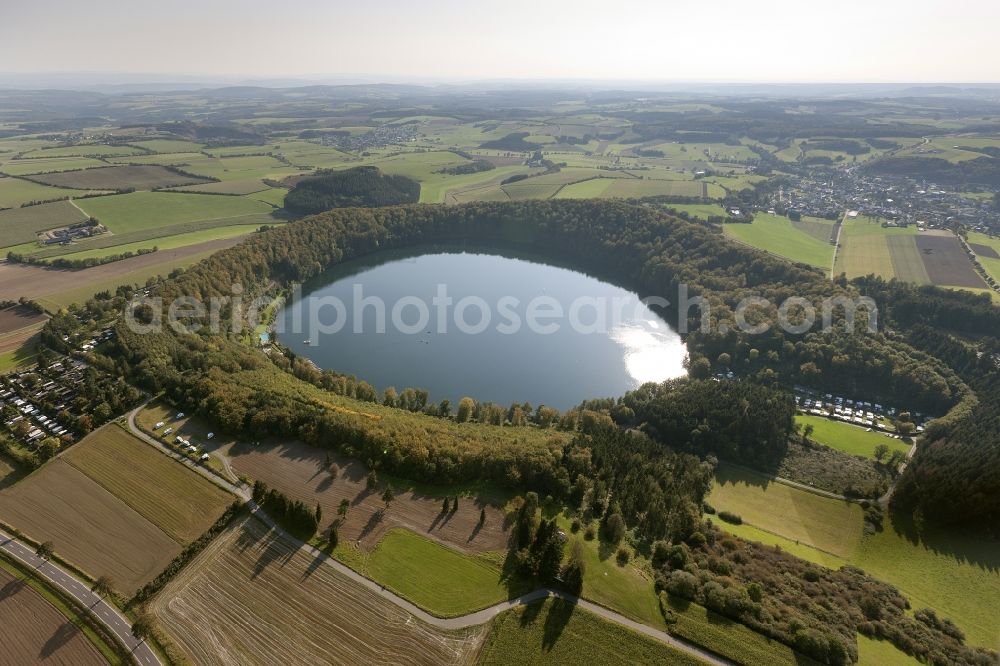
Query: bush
(589,533)
(683,584)
(730,517)
(574,527)
(622,556)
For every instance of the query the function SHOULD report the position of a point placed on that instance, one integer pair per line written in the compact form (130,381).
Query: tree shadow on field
(370,526)
(64,634)
(560,612)
(12,588)
(326,483)
(440,520)
(274,550)
(247,538)
(531,612)
(316,563)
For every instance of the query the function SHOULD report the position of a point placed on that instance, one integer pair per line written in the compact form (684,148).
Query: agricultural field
(36,632)
(168,146)
(22,225)
(87,150)
(556,632)
(922,257)
(241,168)
(15,192)
(956,574)
(249,186)
(56,289)
(849,438)
(271,603)
(15,318)
(829,525)
(180,503)
(175,238)
(89,527)
(114,506)
(987,249)
(19,332)
(436,578)
(140,211)
(647,187)
(146,177)
(301,472)
(54,165)
(946,262)
(778,235)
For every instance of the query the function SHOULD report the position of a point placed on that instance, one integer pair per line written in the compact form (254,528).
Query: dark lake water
(482,325)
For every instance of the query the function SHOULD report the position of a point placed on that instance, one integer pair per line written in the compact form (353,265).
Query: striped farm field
(114,506)
(180,502)
(272,603)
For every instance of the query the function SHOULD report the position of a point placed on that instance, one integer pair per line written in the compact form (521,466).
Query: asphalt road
(472,619)
(106,613)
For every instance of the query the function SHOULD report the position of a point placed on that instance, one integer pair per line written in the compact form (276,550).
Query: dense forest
(980,171)
(364,186)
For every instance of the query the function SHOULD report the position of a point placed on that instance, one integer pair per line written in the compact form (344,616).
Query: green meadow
(145,210)
(779,236)
(849,438)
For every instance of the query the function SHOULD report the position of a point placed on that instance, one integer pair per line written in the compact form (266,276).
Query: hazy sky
(695,40)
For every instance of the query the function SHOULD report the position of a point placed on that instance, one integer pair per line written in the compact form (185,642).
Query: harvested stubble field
(118,177)
(35,632)
(169,495)
(300,471)
(89,527)
(269,603)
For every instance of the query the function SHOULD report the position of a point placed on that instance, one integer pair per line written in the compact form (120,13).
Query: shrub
(682,584)
(622,556)
(589,533)
(730,517)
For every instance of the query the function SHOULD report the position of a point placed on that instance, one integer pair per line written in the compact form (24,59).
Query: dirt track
(300,471)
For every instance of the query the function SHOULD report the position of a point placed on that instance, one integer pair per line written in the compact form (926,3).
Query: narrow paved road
(105,613)
(451,623)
